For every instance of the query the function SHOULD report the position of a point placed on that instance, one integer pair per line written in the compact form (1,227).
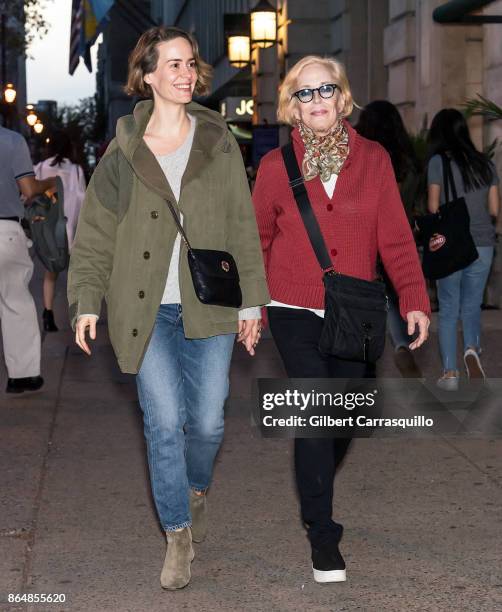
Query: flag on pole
(75,34)
(88,19)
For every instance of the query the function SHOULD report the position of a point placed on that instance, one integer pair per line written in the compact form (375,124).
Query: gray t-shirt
(481,227)
(174,165)
(15,162)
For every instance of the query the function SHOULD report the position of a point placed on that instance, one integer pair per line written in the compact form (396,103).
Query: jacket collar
(354,142)
(211,135)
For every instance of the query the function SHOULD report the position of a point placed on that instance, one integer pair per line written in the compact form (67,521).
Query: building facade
(128,20)
(392,49)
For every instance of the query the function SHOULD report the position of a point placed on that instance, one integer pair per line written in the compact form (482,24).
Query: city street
(423,528)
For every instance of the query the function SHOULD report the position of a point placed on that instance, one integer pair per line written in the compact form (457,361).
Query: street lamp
(263,25)
(31,117)
(247,31)
(239,51)
(9,93)
(38,127)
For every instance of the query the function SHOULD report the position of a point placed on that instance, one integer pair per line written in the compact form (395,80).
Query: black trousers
(296,334)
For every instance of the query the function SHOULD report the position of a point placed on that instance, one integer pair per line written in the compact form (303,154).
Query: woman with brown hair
(354,197)
(170,151)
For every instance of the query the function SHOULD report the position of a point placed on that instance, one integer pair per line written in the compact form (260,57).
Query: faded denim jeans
(460,296)
(182,387)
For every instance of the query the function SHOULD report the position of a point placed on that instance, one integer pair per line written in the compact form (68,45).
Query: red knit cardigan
(364,217)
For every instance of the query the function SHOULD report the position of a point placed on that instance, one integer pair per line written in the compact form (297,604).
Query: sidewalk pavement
(423,522)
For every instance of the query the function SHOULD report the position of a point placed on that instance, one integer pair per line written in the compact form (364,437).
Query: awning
(459,11)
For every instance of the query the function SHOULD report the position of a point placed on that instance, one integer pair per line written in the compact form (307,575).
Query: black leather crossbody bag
(214,273)
(355,309)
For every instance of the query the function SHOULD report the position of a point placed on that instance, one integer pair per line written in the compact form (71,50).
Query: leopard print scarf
(324,155)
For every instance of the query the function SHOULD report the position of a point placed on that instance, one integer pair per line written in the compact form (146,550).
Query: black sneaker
(328,565)
(406,364)
(29,383)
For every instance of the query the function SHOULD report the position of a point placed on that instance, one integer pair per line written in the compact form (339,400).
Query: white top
(74,187)
(329,187)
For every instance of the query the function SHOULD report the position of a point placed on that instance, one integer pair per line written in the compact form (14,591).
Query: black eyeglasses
(307,95)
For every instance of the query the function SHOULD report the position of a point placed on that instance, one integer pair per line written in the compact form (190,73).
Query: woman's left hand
(249,334)
(416,317)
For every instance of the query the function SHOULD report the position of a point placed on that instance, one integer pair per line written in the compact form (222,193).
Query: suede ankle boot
(198,510)
(176,571)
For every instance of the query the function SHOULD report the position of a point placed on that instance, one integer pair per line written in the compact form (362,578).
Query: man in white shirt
(18,317)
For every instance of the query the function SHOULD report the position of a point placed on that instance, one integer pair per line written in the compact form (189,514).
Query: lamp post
(264,25)
(31,117)
(239,51)
(9,93)
(248,38)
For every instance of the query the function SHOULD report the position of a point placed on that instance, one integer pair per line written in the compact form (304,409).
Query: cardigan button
(334,251)
(329,207)
(141,294)
(154,214)
(134,332)
(146,255)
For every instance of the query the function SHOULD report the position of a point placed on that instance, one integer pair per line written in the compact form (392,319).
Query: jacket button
(146,254)
(141,294)
(135,332)
(329,207)
(154,214)
(334,251)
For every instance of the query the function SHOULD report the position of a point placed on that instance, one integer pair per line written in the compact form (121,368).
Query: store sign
(237,109)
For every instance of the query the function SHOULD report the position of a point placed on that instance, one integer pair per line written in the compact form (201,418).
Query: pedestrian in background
(60,163)
(355,199)
(381,121)
(460,294)
(128,248)
(20,331)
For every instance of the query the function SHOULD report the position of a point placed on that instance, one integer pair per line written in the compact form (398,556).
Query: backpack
(48,229)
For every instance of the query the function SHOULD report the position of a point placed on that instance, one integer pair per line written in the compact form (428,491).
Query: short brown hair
(145,56)
(287,104)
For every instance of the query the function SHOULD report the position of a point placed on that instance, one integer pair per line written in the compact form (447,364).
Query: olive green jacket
(126,234)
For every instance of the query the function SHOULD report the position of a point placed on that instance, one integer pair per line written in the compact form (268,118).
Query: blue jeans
(461,295)
(182,387)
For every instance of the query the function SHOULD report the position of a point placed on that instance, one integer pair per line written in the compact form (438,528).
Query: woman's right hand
(85,322)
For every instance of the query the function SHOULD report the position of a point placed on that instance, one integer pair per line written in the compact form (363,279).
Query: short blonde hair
(145,56)
(287,103)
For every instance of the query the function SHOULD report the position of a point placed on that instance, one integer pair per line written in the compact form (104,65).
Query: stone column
(356,33)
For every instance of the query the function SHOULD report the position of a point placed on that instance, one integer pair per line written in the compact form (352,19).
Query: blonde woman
(353,192)
(128,249)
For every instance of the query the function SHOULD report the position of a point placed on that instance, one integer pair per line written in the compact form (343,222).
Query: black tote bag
(447,242)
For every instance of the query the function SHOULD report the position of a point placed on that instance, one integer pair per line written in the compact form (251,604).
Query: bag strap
(448,179)
(60,227)
(179,226)
(297,184)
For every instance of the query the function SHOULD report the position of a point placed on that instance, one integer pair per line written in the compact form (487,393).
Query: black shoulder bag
(355,310)
(214,273)
(445,235)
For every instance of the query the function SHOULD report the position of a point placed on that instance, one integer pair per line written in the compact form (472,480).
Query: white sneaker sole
(448,384)
(329,575)
(473,366)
